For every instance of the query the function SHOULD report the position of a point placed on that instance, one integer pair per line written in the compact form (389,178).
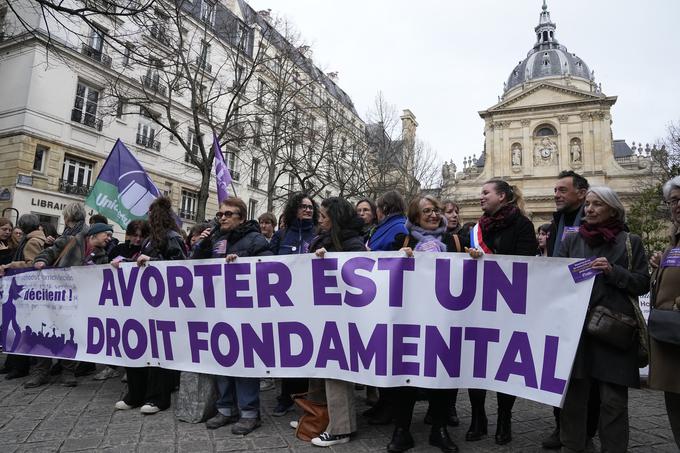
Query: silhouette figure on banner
(43,343)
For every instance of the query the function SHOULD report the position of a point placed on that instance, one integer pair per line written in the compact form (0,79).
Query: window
(120,107)
(204,57)
(242,37)
(257,138)
(545,130)
(187,209)
(231,163)
(208,12)
(238,74)
(146,136)
(40,159)
(254,181)
(76,176)
(252,209)
(173,127)
(192,141)
(85,106)
(127,52)
(152,79)
(261,89)
(96,41)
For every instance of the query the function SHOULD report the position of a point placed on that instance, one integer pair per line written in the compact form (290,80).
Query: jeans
(238,394)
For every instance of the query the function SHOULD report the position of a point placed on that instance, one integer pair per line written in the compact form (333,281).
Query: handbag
(314,419)
(664,325)
(618,329)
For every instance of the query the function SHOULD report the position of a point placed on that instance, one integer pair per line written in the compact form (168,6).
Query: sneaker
(123,406)
(294,424)
(245,426)
(328,440)
(267,384)
(149,409)
(106,373)
(220,420)
(36,381)
(282,409)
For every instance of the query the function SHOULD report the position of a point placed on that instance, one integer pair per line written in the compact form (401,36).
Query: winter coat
(74,255)
(570,219)
(244,240)
(664,361)
(389,234)
(28,250)
(125,249)
(173,249)
(351,240)
(294,239)
(517,238)
(594,358)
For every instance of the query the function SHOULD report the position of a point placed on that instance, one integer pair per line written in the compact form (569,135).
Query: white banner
(503,323)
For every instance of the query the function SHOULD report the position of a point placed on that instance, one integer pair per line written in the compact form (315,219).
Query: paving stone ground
(54,418)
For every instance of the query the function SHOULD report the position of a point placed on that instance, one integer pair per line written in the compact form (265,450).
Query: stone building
(552,116)
(71,88)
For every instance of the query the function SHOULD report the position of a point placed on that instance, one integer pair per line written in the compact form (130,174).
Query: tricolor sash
(477,241)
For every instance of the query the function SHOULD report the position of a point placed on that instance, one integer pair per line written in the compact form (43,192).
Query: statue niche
(516,157)
(545,146)
(575,152)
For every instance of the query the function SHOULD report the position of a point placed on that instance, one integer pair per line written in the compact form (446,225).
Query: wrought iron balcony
(203,65)
(148,142)
(86,119)
(73,188)
(96,55)
(153,84)
(158,33)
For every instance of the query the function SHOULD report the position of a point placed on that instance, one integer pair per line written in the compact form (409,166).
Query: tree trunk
(203,193)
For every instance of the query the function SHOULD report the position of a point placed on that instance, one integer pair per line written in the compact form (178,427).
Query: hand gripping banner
(504,323)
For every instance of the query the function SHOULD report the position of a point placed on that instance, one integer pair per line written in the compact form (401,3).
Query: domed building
(552,116)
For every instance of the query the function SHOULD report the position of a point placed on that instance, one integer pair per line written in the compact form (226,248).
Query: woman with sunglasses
(427,232)
(238,400)
(300,217)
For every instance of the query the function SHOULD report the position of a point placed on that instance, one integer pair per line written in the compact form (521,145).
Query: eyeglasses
(226,214)
(306,207)
(428,211)
(673,202)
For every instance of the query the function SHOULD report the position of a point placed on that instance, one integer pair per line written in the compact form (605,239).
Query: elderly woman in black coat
(621,260)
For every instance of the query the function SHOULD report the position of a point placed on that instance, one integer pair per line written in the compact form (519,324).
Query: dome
(548,58)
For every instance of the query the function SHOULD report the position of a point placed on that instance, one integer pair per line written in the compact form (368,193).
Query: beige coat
(664,361)
(35,243)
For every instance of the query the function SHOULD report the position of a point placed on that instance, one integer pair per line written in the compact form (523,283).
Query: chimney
(266,14)
(306,52)
(333,76)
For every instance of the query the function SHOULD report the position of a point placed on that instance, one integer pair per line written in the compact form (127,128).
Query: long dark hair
(294,202)
(343,217)
(161,220)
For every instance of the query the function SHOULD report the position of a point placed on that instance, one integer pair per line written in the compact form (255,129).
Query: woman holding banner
(340,230)
(664,320)
(150,387)
(503,229)
(300,217)
(428,232)
(238,400)
(602,358)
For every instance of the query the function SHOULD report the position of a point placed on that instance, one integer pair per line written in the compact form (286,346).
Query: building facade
(163,81)
(552,117)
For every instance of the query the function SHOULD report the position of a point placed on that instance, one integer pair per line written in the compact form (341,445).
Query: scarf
(601,233)
(428,240)
(386,232)
(75,229)
(500,220)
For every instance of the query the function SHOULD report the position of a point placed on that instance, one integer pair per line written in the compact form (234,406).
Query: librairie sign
(504,323)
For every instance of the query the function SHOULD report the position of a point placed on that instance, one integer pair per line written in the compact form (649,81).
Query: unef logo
(136,192)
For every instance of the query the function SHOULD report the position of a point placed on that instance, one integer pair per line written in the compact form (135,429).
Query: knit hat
(99,228)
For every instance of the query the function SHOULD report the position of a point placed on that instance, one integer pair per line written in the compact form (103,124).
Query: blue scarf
(428,240)
(386,232)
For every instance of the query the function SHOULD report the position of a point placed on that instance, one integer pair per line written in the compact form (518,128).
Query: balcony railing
(158,33)
(254,183)
(153,84)
(203,65)
(86,119)
(96,55)
(187,215)
(73,188)
(148,142)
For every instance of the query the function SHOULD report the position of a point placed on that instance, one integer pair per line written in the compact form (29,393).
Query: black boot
(503,428)
(453,419)
(552,442)
(401,441)
(439,437)
(478,425)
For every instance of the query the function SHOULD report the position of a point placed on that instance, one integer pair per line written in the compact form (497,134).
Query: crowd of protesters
(589,222)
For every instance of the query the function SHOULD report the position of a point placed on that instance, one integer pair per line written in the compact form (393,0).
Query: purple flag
(222,174)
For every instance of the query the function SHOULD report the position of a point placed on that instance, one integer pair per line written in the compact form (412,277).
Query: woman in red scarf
(503,229)
(623,274)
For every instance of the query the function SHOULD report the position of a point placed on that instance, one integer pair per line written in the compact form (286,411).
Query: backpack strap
(456,241)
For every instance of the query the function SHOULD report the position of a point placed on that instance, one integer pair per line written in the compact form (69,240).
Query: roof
(621,149)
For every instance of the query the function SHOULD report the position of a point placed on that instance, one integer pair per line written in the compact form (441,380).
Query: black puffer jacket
(351,240)
(173,248)
(244,240)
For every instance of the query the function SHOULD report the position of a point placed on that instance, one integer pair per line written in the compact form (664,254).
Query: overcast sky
(446,60)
